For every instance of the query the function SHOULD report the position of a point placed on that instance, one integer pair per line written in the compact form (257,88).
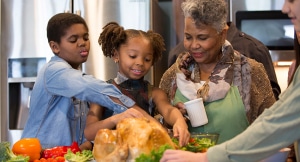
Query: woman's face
(204,43)
(135,57)
(292,9)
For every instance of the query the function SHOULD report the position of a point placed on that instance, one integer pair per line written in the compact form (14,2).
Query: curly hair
(114,35)
(207,12)
(59,23)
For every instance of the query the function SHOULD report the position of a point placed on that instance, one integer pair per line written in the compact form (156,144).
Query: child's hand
(130,113)
(180,131)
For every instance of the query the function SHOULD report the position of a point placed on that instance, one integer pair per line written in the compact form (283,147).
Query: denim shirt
(58,104)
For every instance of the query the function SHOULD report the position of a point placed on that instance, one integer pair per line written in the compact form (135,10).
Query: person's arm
(84,87)
(94,122)
(275,128)
(171,115)
(180,155)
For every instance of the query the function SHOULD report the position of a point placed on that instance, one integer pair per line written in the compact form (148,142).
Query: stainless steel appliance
(24,47)
(265,21)
(252,5)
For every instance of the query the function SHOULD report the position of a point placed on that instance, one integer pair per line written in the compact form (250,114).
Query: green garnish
(154,156)
(196,145)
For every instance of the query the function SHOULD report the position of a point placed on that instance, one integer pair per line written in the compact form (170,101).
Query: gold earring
(116,61)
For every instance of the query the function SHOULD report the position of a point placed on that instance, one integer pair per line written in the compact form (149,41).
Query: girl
(134,51)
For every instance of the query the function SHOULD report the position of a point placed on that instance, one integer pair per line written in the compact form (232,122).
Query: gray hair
(207,12)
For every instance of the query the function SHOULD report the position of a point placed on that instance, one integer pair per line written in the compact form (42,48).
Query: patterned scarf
(228,71)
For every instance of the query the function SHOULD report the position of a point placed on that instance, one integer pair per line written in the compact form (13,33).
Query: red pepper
(60,151)
(74,147)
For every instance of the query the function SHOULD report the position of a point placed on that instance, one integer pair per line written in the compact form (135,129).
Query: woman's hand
(181,108)
(183,156)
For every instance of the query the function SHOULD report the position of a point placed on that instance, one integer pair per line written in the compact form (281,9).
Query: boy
(58,105)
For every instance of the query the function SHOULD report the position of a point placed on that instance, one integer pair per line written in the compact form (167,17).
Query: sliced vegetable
(60,151)
(83,156)
(6,154)
(28,147)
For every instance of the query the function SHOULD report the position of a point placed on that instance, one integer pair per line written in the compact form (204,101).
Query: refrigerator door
(128,13)
(24,49)
(24,26)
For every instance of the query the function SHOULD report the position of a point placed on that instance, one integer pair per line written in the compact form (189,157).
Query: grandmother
(235,89)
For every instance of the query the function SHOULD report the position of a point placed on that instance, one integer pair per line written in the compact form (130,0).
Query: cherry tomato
(192,140)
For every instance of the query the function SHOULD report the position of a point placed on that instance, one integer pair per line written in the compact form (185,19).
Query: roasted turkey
(132,137)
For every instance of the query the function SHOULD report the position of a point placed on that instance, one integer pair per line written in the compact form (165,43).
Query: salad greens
(83,156)
(196,144)
(6,154)
(154,156)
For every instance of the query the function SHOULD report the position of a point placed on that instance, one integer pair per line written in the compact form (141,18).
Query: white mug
(196,112)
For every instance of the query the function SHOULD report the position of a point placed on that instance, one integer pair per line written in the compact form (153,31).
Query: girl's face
(74,46)
(203,43)
(135,57)
(292,9)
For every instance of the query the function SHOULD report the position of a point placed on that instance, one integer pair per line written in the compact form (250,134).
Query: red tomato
(192,140)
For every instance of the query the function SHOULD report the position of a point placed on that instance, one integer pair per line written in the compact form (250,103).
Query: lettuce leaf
(154,156)
(83,156)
